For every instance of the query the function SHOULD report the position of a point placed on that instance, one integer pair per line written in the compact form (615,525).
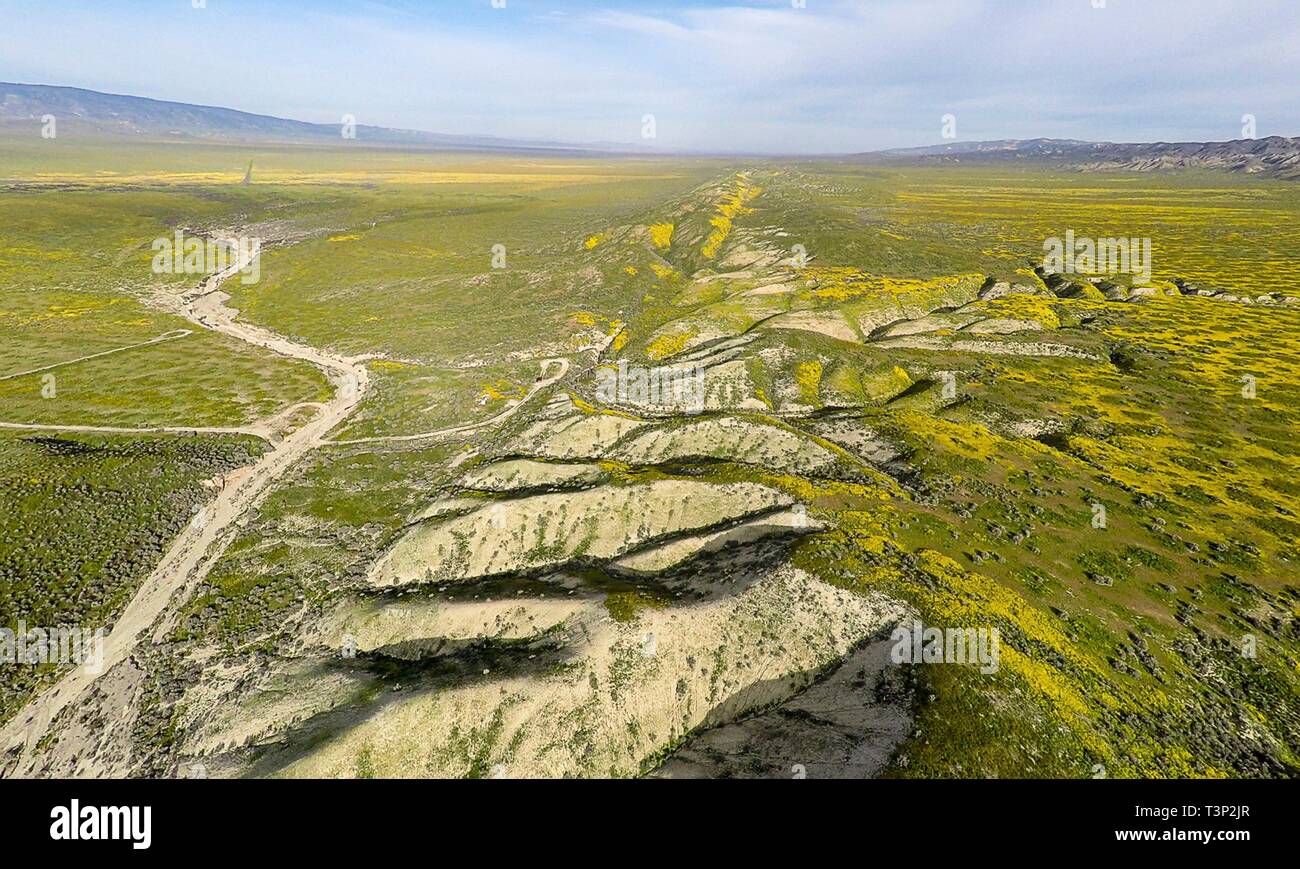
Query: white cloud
(836,76)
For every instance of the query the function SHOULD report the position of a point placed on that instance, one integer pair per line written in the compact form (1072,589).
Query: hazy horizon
(721,77)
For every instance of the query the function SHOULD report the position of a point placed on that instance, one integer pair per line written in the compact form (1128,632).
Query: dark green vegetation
(1133,636)
(85,518)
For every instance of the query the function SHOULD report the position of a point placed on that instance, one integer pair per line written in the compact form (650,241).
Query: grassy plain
(86,517)
(1122,644)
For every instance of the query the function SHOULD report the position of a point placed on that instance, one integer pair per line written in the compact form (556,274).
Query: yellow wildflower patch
(662,235)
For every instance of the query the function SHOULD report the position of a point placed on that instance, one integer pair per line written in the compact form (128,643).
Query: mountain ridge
(127,115)
(134,116)
(1273,156)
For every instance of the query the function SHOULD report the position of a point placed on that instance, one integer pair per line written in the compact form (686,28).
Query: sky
(737,76)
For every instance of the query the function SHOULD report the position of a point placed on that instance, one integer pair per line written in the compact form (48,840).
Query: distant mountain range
(115,114)
(1274,156)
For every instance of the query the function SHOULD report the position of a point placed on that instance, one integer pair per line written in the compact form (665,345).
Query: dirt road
(202,542)
(166,336)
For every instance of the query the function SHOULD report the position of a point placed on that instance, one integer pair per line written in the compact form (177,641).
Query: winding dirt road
(202,542)
(194,552)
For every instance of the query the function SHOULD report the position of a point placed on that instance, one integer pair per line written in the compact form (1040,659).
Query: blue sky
(726,75)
